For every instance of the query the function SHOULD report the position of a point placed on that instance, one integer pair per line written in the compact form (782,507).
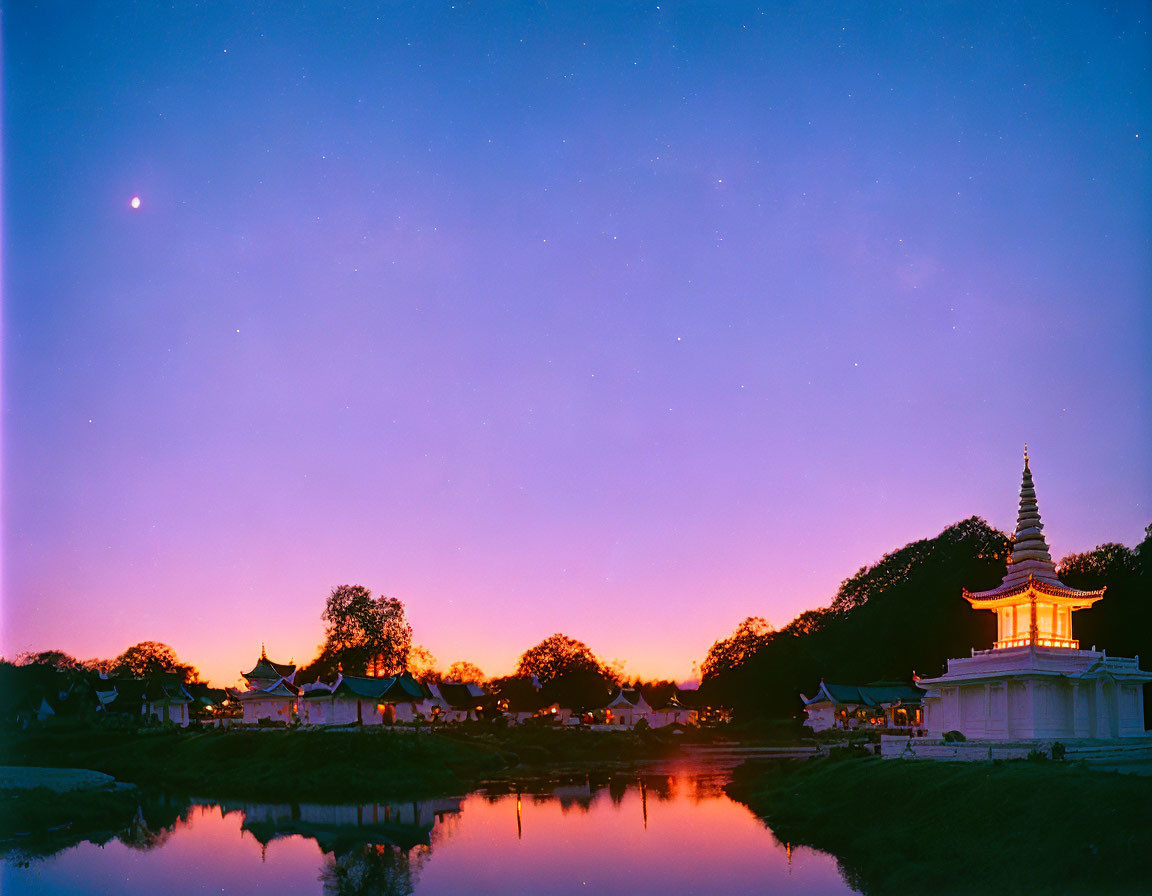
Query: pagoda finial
(263,653)
(1029,547)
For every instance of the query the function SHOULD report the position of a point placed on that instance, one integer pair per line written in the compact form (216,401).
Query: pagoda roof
(1030,565)
(265,668)
(1005,595)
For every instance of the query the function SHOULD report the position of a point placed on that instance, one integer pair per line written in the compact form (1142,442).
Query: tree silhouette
(558,655)
(365,634)
(151,658)
(739,647)
(422,665)
(903,614)
(464,672)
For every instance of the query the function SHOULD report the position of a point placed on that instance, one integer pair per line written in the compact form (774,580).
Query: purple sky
(545,317)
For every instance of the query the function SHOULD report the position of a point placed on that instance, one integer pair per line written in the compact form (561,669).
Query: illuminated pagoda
(1035,682)
(1031,604)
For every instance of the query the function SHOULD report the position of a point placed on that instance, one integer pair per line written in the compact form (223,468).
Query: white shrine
(1035,683)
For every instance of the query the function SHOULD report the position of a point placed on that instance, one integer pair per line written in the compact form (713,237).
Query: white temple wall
(1083,709)
(974,710)
(1107,709)
(278,709)
(932,714)
(1038,708)
(678,717)
(950,709)
(1132,710)
(1053,716)
(998,710)
(1019,710)
(369,714)
(341,711)
(312,711)
(821,716)
(177,713)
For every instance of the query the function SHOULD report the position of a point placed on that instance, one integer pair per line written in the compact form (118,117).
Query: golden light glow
(1034,616)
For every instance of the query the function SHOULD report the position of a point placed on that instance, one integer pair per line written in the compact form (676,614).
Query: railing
(1045,641)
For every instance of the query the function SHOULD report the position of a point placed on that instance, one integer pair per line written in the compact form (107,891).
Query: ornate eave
(1004,596)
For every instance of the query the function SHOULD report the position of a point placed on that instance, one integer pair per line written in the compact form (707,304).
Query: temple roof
(459,695)
(281,687)
(392,689)
(265,668)
(1030,564)
(873,694)
(165,687)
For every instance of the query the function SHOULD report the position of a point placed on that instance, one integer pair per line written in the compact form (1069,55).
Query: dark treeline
(905,615)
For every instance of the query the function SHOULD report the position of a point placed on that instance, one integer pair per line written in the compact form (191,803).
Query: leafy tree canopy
(57,659)
(739,647)
(903,614)
(464,672)
(558,655)
(366,635)
(1121,623)
(151,658)
(422,665)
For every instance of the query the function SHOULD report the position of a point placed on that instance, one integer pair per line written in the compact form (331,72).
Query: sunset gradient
(625,323)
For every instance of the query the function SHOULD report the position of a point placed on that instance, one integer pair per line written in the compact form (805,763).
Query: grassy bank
(1010,827)
(325,766)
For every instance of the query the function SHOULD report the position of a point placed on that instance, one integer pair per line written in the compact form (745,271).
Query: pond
(666,830)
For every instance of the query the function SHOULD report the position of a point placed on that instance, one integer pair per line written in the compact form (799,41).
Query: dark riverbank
(329,765)
(934,827)
(40,821)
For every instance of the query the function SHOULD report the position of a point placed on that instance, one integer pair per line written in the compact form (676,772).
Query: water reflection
(336,828)
(662,832)
(369,870)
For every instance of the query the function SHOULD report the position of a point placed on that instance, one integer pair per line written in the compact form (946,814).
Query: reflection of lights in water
(726,841)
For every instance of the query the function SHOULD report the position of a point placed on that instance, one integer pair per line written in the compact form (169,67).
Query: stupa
(1035,683)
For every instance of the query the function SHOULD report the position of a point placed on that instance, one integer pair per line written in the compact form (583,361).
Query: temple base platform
(1107,752)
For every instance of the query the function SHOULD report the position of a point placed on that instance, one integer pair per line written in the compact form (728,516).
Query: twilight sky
(627,323)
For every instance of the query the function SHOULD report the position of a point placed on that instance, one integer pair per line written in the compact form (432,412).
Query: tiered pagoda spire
(1030,556)
(1031,580)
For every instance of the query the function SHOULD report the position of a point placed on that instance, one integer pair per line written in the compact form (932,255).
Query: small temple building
(882,704)
(1035,682)
(272,692)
